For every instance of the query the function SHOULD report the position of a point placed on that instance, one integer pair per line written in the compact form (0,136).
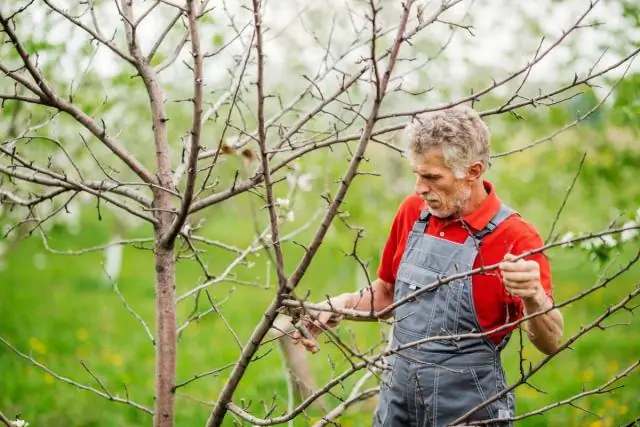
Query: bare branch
(342,407)
(566,197)
(131,310)
(495,84)
(576,82)
(583,330)
(204,374)
(252,346)
(363,315)
(76,384)
(603,389)
(224,320)
(94,376)
(94,34)
(195,128)
(96,189)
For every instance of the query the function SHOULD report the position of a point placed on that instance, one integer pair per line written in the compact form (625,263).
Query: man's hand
(522,279)
(321,320)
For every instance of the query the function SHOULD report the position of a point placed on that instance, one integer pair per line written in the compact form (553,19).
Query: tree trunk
(165,335)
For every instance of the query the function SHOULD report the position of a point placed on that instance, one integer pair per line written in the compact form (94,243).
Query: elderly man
(454,223)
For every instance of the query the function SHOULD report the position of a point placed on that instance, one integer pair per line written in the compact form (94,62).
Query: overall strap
(421,224)
(503,213)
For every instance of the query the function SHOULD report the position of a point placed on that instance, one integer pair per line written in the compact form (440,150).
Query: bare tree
(366,56)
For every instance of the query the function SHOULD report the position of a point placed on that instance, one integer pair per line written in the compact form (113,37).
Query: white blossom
(565,240)
(113,261)
(627,235)
(304,182)
(290,216)
(19,423)
(609,240)
(591,243)
(282,202)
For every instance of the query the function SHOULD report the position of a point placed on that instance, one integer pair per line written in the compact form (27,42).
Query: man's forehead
(429,159)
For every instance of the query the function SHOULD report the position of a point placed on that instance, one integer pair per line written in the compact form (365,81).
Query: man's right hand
(321,320)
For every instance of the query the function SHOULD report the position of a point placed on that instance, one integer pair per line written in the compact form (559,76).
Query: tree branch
(195,128)
(76,384)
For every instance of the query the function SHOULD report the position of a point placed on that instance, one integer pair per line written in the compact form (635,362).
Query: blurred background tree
(57,309)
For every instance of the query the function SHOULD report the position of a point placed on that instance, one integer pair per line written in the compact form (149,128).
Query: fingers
(519,276)
(310,345)
(520,265)
(308,342)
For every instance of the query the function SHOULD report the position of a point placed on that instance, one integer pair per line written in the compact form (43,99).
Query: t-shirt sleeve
(385,269)
(529,241)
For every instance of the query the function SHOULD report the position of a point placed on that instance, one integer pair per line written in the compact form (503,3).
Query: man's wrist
(540,301)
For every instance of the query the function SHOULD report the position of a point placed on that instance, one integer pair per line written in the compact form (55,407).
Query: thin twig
(76,384)
(566,197)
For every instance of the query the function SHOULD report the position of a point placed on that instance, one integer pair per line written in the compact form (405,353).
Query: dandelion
(48,378)
(627,235)
(37,345)
(116,360)
(565,240)
(623,409)
(82,334)
(587,375)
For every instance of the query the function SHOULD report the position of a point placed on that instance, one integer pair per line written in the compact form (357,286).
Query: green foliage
(59,309)
(626,106)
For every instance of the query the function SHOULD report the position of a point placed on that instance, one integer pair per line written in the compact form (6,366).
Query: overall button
(441,233)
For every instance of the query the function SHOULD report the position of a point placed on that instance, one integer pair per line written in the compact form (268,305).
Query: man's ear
(475,171)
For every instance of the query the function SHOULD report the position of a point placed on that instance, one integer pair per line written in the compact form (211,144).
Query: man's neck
(478,194)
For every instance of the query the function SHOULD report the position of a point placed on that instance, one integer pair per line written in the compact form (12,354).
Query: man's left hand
(521,278)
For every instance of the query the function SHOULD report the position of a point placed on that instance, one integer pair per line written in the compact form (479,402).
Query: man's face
(436,183)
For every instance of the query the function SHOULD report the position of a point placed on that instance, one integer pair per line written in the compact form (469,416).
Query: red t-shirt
(494,306)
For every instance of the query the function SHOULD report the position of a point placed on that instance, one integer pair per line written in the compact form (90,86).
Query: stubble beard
(455,207)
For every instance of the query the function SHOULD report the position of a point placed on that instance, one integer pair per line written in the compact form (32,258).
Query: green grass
(61,311)
(64,312)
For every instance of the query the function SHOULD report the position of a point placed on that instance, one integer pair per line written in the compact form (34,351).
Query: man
(453,224)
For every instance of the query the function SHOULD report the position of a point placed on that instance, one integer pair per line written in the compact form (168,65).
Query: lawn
(61,311)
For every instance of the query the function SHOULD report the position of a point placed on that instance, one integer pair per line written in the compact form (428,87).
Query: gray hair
(458,131)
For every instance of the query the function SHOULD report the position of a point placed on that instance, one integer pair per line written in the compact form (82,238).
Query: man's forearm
(544,331)
(374,298)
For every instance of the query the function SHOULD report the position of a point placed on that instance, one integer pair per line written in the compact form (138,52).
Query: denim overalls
(432,384)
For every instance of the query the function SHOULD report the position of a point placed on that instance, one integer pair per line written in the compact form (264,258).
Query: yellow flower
(82,334)
(587,375)
(37,345)
(623,409)
(116,360)
(596,424)
(609,403)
